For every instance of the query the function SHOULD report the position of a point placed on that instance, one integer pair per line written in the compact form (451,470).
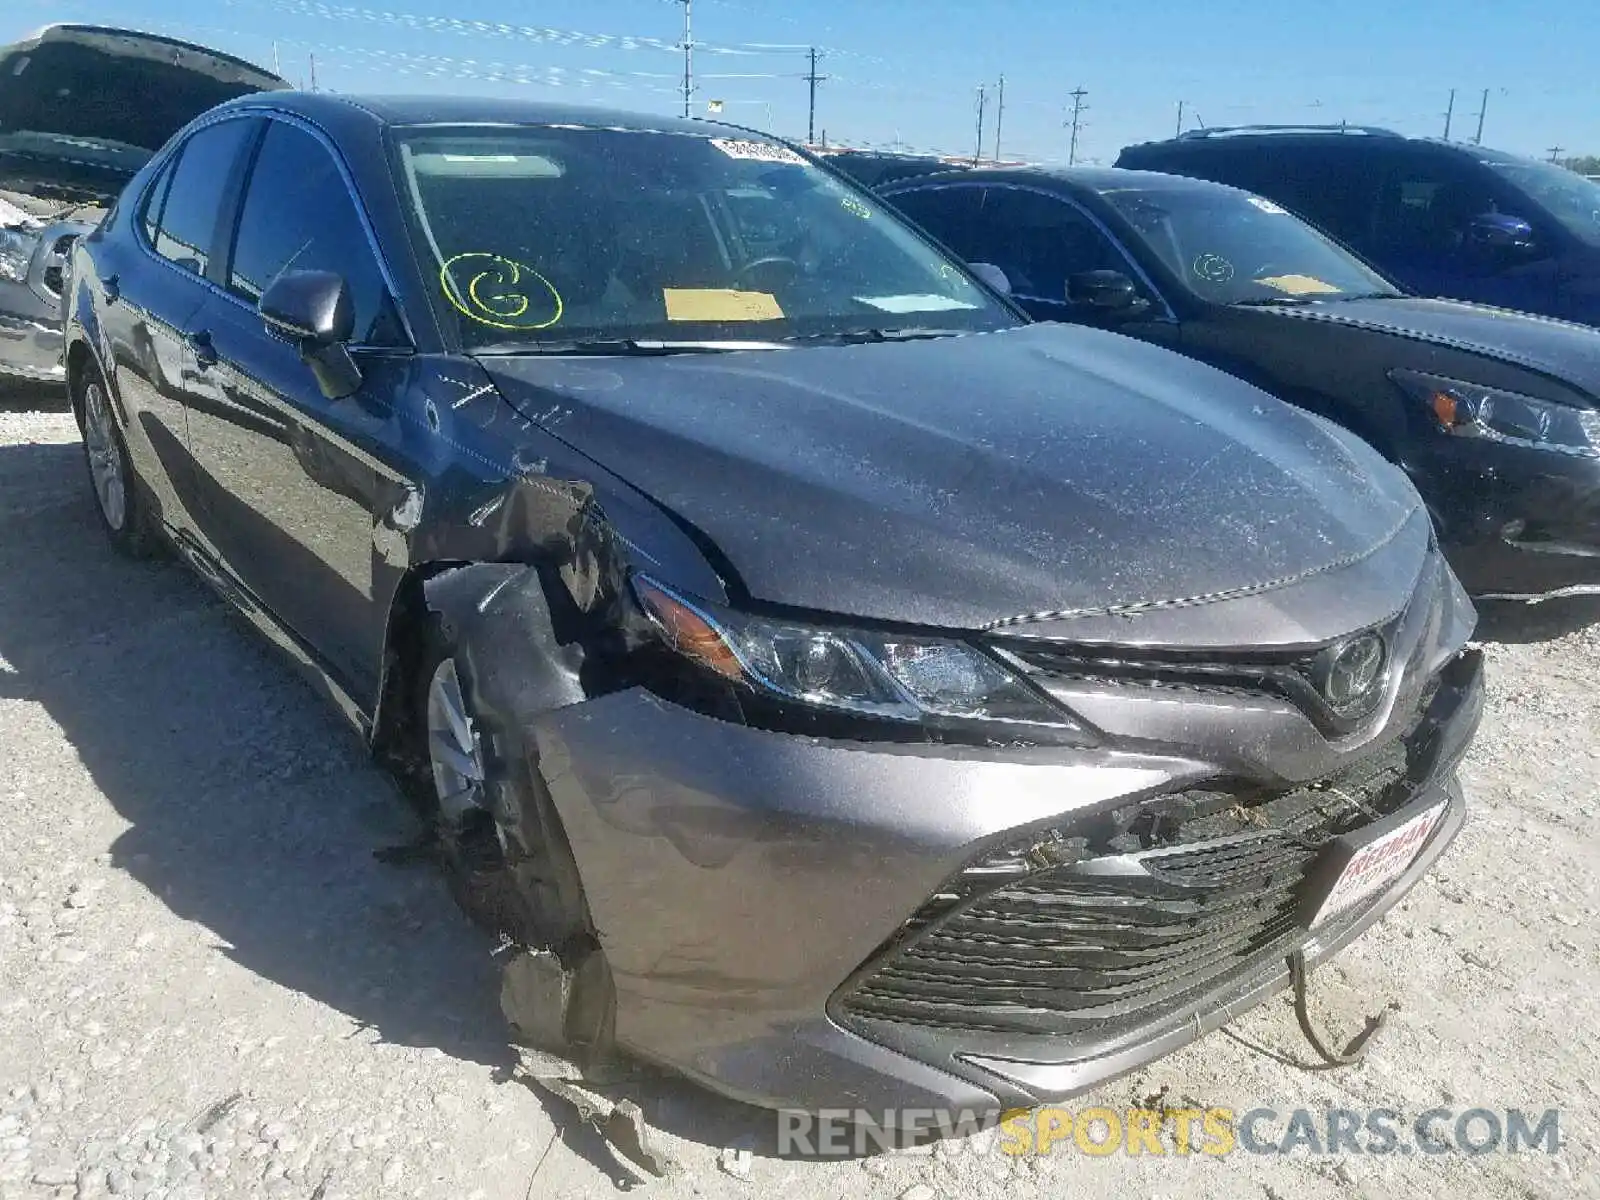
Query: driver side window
(1040,241)
(1425,208)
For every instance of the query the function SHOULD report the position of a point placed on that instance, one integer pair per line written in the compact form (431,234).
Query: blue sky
(908,71)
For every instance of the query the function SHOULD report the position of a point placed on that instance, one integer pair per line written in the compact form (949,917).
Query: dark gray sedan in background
(1494,415)
(851,693)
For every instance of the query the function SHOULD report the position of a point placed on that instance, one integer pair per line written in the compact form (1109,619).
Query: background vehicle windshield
(1230,248)
(1565,195)
(538,234)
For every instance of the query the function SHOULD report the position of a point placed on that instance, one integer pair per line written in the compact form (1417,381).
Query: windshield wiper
(621,347)
(1371,296)
(855,337)
(1273,302)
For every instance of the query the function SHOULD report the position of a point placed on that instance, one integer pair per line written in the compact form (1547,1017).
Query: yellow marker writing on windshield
(489,297)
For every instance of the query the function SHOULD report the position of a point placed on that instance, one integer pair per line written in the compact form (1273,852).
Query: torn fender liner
(498,619)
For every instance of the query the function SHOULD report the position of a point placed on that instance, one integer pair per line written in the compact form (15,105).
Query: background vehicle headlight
(927,681)
(1472,410)
(16,252)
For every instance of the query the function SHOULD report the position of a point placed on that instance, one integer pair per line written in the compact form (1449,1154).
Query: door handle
(111,289)
(205,354)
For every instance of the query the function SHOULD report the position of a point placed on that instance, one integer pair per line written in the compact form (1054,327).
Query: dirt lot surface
(209,987)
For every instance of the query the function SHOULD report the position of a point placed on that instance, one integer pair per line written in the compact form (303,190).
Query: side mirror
(312,311)
(1105,291)
(1500,234)
(992,275)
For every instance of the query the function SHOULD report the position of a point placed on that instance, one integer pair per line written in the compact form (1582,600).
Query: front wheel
(118,499)
(504,849)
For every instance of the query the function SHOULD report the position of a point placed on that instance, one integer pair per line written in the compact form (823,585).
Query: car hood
(1560,349)
(82,108)
(973,479)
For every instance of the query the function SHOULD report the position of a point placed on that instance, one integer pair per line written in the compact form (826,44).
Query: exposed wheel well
(79,360)
(405,652)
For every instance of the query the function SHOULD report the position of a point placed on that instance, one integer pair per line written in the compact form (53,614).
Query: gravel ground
(209,987)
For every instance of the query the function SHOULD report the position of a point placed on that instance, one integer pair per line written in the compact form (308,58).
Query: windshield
(537,235)
(1230,248)
(1565,195)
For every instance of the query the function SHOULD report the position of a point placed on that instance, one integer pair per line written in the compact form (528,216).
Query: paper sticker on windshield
(759,151)
(1267,206)
(720,304)
(932,302)
(1299,285)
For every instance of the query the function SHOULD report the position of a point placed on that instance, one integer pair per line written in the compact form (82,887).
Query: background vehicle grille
(1019,944)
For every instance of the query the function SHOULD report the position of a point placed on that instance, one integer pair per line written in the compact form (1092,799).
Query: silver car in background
(82,108)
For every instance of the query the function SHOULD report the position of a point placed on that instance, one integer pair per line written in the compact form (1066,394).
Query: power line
(1077,95)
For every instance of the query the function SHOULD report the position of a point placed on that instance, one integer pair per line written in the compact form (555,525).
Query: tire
(507,858)
(118,493)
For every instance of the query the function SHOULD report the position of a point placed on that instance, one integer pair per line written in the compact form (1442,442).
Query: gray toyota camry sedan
(851,693)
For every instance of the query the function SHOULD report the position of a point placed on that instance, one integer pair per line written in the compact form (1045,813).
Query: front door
(298,486)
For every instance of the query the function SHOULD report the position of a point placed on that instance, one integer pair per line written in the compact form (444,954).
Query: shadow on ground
(1515,623)
(16,396)
(253,811)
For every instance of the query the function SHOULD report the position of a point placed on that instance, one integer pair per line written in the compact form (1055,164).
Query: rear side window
(194,196)
(298,215)
(154,199)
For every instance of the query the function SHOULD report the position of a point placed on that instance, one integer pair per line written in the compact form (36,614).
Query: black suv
(1440,218)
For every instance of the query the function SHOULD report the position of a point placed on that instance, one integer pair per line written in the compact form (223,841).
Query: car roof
(1200,141)
(1063,179)
(401,110)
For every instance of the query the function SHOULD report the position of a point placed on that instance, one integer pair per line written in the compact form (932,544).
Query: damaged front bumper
(759,896)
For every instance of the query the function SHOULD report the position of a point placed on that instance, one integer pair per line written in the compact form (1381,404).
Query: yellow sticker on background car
(720,304)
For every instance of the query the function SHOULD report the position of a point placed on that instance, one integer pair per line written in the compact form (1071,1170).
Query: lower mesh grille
(1052,939)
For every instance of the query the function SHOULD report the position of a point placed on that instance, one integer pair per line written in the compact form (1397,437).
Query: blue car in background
(1440,218)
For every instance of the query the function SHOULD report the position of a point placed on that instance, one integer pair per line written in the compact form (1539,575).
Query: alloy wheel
(105,457)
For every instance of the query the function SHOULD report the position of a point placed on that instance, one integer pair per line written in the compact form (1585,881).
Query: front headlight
(16,252)
(1472,410)
(931,682)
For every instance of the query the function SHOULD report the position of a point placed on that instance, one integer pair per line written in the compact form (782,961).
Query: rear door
(152,289)
(296,484)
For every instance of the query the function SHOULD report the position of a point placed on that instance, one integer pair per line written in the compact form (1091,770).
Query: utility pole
(277,69)
(999,117)
(1554,151)
(313,72)
(1180,119)
(688,54)
(1077,95)
(1449,113)
(1482,108)
(983,98)
(813,79)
